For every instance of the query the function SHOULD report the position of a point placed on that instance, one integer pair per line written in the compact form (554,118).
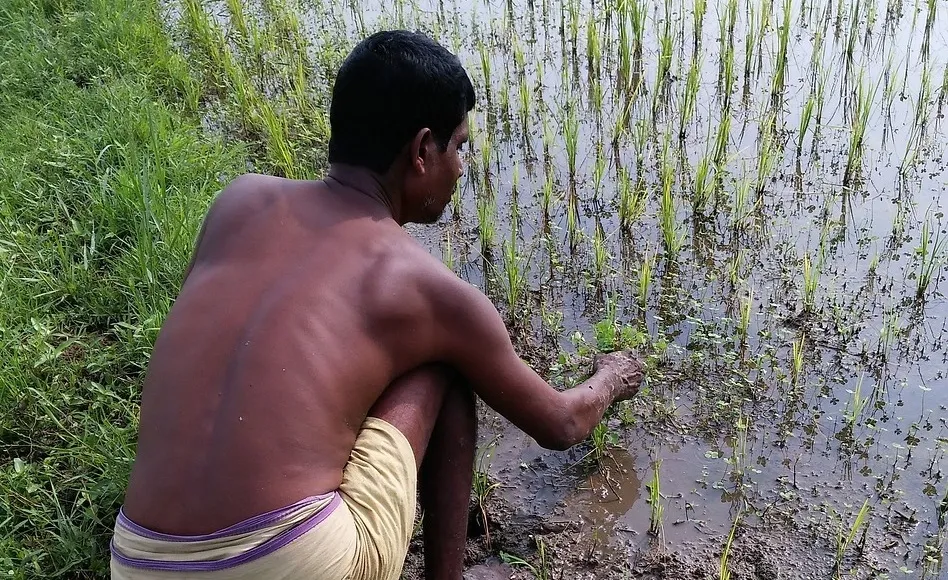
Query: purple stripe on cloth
(251,524)
(246,526)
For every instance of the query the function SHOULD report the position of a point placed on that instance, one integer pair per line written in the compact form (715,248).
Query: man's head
(399,108)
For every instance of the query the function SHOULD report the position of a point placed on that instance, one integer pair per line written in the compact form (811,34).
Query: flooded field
(750,192)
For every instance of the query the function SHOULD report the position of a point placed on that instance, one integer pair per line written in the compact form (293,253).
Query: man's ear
(421,149)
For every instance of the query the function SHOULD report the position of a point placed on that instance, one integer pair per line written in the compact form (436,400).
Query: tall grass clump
(105,175)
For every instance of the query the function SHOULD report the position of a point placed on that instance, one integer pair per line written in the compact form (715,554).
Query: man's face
(433,192)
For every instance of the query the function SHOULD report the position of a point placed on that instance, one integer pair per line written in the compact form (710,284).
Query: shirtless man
(318,363)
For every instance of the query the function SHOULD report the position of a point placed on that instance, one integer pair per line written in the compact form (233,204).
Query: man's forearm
(587,402)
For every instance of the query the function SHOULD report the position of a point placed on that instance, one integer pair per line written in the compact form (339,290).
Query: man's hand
(626,369)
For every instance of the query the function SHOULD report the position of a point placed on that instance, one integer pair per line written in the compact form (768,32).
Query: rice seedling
(667,212)
(571,138)
(483,488)
(447,255)
(821,80)
(237,14)
(724,570)
(597,98)
(721,141)
(631,199)
(726,72)
(548,198)
(607,329)
(750,42)
(816,56)
(593,48)
(602,438)
(486,209)
(689,98)
(645,279)
(486,149)
(734,269)
(207,37)
(520,59)
(871,16)
(931,256)
(703,184)
(742,207)
(541,572)
(482,51)
(767,154)
(656,509)
(806,115)
(279,147)
(504,103)
(572,217)
(666,53)
(780,65)
(855,406)
(766,14)
(811,280)
(515,274)
(845,538)
(863,107)
(798,358)
(698,12)
(850,49)
(929,25)
(641,133)
(525,99)
(925,95)
(738,458)
(600,252)
(744,323)
(548,136)
(631,24)
(625,50)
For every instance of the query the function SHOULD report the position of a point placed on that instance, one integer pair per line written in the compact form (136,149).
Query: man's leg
(434,409)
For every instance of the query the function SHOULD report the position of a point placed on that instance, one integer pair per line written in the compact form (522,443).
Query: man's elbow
(561,436)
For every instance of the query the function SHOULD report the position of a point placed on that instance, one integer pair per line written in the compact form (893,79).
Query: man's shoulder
(409,268)
(249,188)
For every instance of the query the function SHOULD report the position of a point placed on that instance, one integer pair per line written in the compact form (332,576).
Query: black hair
(391,85)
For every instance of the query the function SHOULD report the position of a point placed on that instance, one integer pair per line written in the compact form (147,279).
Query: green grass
(105,174)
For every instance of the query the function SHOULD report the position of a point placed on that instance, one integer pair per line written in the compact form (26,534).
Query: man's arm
(475,341)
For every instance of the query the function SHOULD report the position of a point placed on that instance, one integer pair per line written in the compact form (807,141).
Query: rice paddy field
(749,192)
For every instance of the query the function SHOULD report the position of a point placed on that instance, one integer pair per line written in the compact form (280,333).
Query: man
(318,362)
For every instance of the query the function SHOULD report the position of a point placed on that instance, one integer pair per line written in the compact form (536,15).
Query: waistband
(321,506)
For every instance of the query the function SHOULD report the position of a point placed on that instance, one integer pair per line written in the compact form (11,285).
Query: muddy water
(863,417)
(737,427)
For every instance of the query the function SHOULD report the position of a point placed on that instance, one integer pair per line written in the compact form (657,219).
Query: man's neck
(368,183)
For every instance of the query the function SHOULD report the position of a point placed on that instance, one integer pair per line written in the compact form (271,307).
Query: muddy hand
(628,369)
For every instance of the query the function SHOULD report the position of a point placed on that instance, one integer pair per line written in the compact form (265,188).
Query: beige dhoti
(360,532)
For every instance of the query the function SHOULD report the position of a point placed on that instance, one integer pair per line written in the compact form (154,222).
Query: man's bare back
(302,305)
